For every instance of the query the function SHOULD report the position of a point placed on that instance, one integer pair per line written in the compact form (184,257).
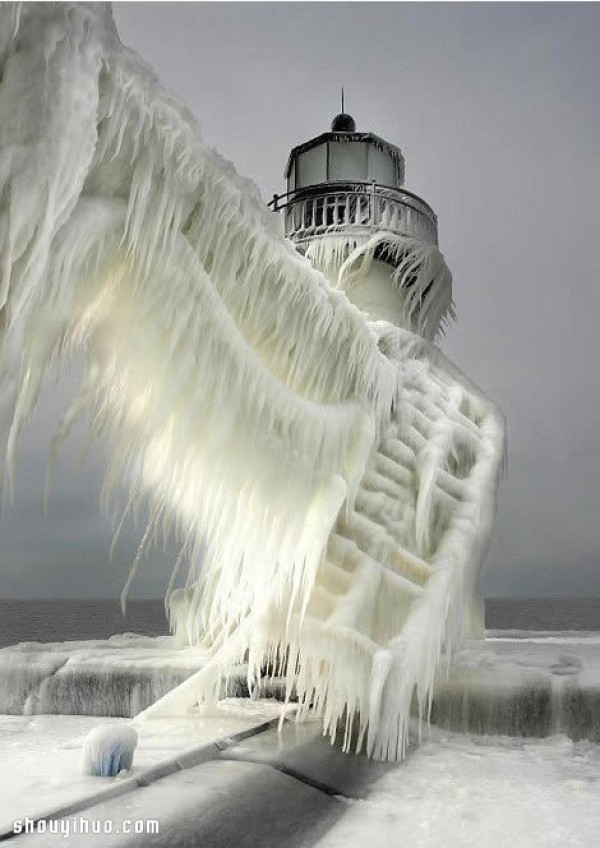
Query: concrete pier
(526,685)
(523,685)
(236,778)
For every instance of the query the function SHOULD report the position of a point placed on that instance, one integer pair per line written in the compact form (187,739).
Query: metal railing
(356,208)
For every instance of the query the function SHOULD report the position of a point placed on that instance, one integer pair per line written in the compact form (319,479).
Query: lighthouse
(346,209)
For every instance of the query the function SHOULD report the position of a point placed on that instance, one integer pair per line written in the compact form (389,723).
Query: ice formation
(108,750)
(421,279)
(335,475)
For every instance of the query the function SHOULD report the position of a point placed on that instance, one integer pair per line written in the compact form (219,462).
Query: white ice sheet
(41,755)
(457,791)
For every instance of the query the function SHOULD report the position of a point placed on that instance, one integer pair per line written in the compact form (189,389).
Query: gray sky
(497,110)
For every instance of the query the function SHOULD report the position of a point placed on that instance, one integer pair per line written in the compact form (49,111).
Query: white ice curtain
(242,395)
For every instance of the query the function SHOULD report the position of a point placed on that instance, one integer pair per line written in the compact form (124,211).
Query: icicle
(247,402)
(417,271)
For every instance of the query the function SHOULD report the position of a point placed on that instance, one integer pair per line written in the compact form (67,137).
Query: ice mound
(108,750)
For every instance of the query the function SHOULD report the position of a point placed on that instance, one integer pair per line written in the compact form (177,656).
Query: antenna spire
(343,122)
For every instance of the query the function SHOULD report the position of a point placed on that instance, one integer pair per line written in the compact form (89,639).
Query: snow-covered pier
(516,684)
(231,777)
(235,780)
(104,677)
(523,684)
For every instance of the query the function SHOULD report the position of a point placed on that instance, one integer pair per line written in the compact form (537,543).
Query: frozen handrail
(359,208)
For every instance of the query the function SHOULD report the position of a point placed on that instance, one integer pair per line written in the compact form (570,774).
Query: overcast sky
(497,110)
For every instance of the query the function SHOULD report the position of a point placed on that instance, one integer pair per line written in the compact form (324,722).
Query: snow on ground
(41,755)
(489,792)
(453,791)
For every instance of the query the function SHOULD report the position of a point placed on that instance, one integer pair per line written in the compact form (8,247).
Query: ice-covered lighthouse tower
(347,210)
(339,474)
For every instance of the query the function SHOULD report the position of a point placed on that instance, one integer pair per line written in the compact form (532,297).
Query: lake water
(54,621)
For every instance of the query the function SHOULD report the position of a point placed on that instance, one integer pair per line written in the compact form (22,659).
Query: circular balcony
(356,209)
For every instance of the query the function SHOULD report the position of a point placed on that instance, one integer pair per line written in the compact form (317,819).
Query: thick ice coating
(339,475)
(108,750)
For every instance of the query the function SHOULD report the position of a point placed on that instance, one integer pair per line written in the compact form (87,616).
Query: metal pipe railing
(360,208)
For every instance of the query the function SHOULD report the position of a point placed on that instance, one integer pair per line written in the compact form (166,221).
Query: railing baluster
(367,207)
(385,217)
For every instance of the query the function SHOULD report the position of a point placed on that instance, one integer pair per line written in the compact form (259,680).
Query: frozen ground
(295,790)
(41,755)
(458,791)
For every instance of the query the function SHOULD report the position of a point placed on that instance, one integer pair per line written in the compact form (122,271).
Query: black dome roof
(343,123)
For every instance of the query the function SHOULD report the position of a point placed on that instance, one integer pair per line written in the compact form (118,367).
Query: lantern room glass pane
(292,177)
(381,167)
(311,166)
(347,160)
